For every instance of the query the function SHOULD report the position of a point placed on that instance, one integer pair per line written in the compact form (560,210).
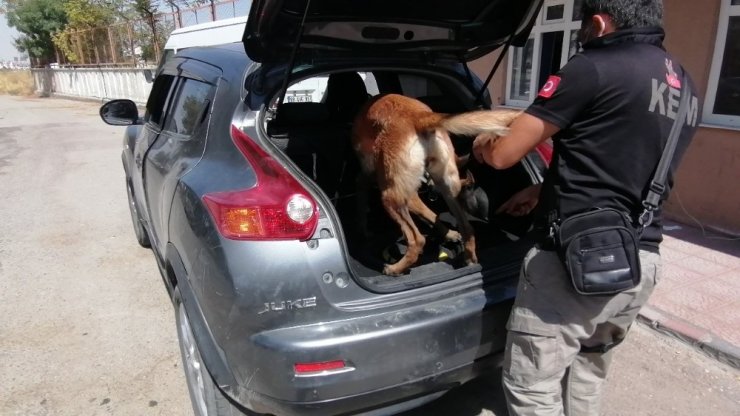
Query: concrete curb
(693,335)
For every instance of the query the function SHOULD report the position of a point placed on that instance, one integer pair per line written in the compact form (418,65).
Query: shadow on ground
(481,396)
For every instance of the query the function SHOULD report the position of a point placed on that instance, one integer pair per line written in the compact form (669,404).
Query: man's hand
(522,202)
(481,147)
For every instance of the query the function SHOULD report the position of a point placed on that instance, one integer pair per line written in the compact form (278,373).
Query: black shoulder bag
(600,248)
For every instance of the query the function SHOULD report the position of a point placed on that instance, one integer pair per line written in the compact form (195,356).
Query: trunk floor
(500,255)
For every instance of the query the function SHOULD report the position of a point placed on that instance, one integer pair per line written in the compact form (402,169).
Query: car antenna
(293,53)
(479,97)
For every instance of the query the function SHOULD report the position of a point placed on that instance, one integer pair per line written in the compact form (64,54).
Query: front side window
(158,99)
(189,107)
(722,104)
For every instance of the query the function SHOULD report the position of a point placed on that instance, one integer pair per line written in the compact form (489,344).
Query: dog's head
(472,197)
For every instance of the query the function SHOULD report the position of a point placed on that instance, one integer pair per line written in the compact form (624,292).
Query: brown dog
(399,138)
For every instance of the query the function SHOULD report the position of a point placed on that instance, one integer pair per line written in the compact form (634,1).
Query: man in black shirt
(609,112)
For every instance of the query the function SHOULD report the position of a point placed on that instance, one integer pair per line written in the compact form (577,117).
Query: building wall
(706,184)
(482,67)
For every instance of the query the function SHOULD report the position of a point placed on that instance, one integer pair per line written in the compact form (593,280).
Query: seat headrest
(345,94)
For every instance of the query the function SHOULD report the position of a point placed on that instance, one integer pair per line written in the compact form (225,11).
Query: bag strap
(657,184)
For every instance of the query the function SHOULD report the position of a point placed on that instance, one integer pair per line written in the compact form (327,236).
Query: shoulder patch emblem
(671,76)
(550,87)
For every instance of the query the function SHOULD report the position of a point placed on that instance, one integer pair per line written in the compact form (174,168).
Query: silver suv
(246,196)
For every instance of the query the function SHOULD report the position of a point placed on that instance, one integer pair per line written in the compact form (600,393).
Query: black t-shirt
(615,104)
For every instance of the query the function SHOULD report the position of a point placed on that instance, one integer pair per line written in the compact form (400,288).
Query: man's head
(601,17)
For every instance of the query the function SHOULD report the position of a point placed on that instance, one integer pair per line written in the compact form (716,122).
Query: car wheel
(207,399)
(141,235)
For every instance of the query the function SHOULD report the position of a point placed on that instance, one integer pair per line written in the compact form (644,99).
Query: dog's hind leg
(399,212)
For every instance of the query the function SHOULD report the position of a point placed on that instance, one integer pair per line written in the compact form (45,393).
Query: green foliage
(146,8)
(153,38)
(79,29)
(83,15)
(37,21)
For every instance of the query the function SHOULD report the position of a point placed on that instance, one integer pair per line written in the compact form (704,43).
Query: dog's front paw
(470,262)
(453,235)
(392,271)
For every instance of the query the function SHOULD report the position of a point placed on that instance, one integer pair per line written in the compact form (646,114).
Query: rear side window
(189,106)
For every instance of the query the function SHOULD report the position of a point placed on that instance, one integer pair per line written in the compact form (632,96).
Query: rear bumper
(386,401)
(395,357)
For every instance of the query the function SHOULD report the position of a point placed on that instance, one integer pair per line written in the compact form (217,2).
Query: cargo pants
(555,361)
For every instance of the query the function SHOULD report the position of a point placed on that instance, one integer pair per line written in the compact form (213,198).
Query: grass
(16,83)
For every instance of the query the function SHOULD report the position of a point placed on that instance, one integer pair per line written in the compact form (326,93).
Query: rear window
(313,90)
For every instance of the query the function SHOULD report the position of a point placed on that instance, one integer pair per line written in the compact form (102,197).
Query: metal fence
(207,13)
(139,43)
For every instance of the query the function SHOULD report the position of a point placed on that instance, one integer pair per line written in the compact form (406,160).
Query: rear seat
(318,146)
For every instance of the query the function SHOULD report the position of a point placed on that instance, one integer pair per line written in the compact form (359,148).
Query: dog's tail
(476,122)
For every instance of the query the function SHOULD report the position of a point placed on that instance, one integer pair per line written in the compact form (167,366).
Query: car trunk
(313,128)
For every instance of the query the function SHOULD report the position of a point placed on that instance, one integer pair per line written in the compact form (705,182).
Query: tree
(37,21)
(148,10)
(85,38)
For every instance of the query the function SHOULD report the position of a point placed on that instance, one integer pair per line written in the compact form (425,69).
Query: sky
(7,50)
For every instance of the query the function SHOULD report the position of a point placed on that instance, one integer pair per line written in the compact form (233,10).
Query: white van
(205,34)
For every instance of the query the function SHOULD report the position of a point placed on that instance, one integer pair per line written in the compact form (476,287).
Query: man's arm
(501,152)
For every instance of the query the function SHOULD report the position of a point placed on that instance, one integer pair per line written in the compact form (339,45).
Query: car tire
(141,234)
(206,397)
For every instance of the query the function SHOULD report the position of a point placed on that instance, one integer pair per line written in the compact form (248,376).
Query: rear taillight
(276,208)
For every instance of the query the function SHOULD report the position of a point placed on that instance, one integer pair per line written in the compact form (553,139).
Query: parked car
(248,202)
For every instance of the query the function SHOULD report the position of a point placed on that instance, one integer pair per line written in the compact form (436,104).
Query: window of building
(552,42)
(722,102)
